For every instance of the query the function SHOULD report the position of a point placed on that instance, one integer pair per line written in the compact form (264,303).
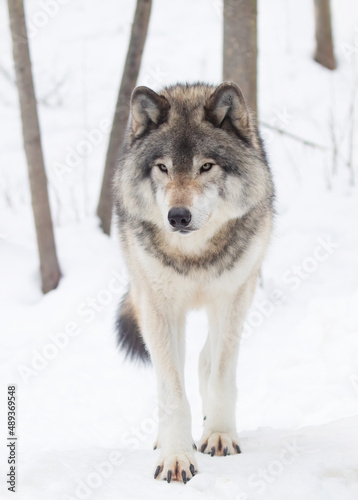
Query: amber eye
(206,167)
(162,168)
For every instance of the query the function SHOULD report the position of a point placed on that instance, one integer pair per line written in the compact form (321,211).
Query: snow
(86,419)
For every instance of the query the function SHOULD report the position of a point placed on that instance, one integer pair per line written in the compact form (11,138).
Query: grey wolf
(194,199)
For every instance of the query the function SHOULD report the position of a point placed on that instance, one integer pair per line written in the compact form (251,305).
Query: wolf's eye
(162,168)
(206,167)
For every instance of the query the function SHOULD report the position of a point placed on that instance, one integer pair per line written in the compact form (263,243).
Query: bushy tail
(129,335)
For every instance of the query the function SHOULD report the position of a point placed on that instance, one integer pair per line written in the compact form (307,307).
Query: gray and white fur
(194,199)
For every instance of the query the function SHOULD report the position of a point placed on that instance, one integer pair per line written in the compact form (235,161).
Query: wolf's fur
(216,167)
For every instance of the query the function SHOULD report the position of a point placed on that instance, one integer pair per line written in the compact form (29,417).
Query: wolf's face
(193,158)
(188,198)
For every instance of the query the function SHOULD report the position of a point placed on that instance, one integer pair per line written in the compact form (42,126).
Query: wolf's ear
(226,109)
(149,110)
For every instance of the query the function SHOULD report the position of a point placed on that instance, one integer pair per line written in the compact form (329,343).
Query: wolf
(194,198)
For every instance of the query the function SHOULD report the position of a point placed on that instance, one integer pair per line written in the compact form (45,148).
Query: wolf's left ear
(149,110)
(226,109)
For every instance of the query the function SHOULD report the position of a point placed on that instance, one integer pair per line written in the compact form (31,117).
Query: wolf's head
(192,159)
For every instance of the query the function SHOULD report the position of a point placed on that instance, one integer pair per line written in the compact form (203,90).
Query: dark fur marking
(222,253)
(129,336)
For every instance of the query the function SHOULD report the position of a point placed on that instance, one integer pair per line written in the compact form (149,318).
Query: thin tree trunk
(324,44)
(240,47)
(121,114)
(50,271)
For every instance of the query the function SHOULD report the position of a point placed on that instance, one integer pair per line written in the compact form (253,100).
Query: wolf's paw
(181,467)
(219,443)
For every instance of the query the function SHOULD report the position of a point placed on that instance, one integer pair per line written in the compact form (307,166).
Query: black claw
(212,451)
(169,476)
(204,418)
(157,470)
(195,447)
(203,446)
(225,451)
(192,469)
(183,475)
(237,448)
(154,447)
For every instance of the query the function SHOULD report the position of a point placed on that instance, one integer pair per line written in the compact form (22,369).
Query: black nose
(179,217)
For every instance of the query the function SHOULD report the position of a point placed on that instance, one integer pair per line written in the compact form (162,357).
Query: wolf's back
(128,332)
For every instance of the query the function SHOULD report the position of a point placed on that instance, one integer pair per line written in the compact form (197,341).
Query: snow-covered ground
(86,419)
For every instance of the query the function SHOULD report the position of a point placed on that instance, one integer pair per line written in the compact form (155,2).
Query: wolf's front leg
(163,331)
(217,371)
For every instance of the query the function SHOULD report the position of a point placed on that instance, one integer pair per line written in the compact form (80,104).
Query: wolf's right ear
(149,110)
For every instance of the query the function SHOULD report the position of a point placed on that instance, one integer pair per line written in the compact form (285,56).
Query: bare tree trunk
(50,271)
(324,44)
(121,114)
(240,47)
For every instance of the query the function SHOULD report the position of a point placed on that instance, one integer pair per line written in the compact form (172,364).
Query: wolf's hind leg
(226,319)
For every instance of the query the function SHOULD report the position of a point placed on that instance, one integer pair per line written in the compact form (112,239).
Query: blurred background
(80,404)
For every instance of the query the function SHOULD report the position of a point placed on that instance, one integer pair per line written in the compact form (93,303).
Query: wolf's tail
(129,335)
